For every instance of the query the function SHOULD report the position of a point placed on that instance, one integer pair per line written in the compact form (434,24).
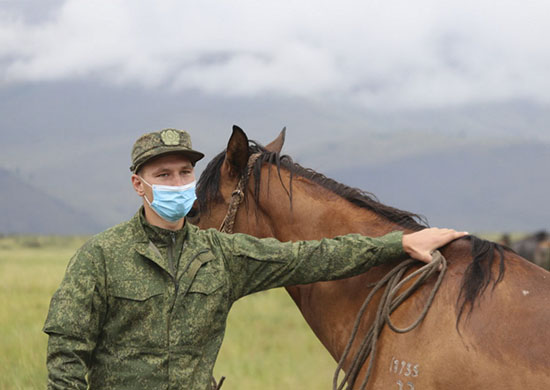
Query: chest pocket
(134,310)
(203,276)
(135,290)
(207,281)
(205,304)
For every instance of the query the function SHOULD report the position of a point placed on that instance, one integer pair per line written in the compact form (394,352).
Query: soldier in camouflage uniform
(144,304)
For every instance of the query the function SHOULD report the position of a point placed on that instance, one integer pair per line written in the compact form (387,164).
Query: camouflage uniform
(144,308)
(125,317)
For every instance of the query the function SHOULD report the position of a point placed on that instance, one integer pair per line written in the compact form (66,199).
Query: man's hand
(420,245)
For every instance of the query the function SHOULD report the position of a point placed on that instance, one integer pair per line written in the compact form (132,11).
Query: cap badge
(170,137)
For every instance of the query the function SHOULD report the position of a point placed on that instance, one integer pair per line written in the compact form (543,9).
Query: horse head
(240,164)
(284,200)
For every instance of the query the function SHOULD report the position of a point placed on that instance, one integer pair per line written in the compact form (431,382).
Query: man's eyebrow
(165,169)
(160,170)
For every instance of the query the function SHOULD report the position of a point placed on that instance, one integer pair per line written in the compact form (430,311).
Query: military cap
(162,142)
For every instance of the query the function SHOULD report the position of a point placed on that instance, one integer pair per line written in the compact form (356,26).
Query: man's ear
(137,183)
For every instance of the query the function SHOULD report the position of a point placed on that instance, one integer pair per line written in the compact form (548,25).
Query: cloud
(393,53)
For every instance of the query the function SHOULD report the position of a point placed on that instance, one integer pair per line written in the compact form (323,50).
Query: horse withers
(486,327)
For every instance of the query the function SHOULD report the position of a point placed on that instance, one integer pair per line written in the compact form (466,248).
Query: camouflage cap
(162,142)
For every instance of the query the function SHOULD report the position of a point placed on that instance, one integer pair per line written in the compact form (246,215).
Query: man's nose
(178,180)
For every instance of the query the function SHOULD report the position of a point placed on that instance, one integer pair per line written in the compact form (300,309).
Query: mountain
(477,167)
(475,188)
(25,209)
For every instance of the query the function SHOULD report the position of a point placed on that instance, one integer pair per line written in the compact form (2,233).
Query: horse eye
(193,214)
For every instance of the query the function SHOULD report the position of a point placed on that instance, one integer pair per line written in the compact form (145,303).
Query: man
(144,304)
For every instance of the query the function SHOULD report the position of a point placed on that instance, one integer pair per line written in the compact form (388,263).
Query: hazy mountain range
(26,209)
(65,153)
(503,188)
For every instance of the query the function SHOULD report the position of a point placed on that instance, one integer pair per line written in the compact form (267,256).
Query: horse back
(501,340)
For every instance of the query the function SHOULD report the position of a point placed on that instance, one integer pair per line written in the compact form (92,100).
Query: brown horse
(473,337)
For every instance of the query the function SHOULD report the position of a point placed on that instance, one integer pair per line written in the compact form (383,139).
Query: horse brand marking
(401,367)
(409,384)
(406,369)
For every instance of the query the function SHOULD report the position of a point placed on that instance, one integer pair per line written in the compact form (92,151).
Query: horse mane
(478,274)
(208,187)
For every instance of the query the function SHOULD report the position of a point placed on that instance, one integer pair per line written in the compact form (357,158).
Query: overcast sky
(357,83)
(373,54)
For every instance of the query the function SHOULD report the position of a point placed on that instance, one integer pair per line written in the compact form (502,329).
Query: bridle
(237,197)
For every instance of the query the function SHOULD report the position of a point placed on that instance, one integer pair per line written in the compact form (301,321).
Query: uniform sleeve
(73,322)
(259,264)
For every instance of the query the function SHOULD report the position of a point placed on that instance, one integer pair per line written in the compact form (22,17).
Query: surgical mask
(172,203)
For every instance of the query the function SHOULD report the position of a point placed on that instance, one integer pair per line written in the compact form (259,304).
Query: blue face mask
(172,203)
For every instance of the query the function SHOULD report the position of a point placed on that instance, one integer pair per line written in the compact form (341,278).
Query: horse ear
(236,155)
(277,144)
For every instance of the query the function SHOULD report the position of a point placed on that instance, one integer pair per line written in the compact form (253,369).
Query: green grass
(30,270)
(267,346)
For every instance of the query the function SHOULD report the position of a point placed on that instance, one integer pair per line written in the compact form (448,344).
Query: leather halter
(237,197)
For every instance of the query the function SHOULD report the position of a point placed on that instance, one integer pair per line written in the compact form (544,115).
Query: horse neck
(315,212)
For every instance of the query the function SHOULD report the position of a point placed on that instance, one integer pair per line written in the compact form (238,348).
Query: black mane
(208,187)
(478,274)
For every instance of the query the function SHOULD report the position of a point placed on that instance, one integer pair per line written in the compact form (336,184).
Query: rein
(394,281)
(237,198)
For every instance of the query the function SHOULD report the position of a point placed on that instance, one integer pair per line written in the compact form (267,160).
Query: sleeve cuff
(393,246)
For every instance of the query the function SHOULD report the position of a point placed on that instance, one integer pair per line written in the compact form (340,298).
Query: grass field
(268,345)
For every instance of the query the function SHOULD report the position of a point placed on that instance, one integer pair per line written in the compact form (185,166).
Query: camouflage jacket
(124,318)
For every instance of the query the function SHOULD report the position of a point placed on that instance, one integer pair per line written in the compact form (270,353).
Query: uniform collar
(145,232)
(144,243)
(159,236)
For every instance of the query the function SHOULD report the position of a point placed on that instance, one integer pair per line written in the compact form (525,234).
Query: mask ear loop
(145,196)
(147,200)
(145,181)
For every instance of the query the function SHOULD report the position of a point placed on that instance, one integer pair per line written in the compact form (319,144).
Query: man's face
(169,170)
